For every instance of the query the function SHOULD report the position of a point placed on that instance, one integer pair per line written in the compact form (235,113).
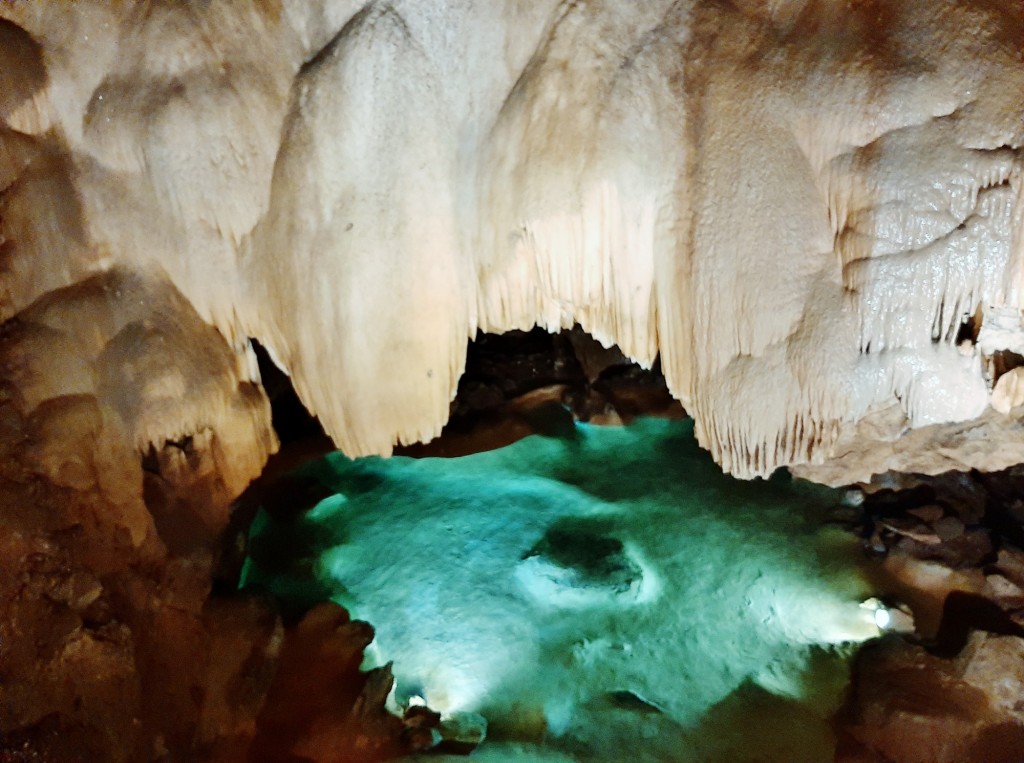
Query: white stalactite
(796,207)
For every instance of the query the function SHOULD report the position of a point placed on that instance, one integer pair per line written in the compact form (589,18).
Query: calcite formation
(809,209)
(806,213)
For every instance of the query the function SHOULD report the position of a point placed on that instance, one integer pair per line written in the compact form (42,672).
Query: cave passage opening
(596,593)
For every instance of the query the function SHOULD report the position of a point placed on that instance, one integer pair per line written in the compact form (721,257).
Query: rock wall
(128,427)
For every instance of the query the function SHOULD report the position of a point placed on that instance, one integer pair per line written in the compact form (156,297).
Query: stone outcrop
(915,708)
(128,427)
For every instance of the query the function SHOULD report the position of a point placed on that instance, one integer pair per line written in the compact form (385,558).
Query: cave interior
(555,381)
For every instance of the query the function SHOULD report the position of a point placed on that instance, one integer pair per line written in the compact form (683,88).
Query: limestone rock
(805,219)
(1009,391)
(462,732)
(321,707)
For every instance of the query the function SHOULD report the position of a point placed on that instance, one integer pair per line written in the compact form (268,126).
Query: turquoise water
(603,596)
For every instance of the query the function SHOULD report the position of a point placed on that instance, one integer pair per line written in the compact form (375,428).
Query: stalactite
(794,210)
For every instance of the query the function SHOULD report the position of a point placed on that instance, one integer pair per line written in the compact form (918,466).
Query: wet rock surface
(321,707)
(909,706)
(947,546)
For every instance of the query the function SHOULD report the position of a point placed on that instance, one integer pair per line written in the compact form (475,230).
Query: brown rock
(109,649)
(321,707)
(927,514)
(1010,562)
(998,587)
(995,665)
(948,528)
(969,549)
(911,707)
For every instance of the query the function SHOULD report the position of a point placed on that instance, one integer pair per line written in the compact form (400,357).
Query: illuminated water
(607,596)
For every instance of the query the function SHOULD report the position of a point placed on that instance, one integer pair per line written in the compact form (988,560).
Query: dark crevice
(1003,361)
(501,369)
(535,382)
(964,612)
(969,328)
(290,418)
(150,461)
(184,444)
(526,376)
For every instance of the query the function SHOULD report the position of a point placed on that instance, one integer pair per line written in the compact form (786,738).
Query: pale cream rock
(1009,391)
(118,362)
(794,204)
(997,586)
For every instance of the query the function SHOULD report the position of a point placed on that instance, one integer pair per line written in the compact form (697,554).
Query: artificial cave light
(882,618)
(610,592)
(878,612)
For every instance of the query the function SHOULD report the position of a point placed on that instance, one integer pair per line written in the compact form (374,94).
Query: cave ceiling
(809,211)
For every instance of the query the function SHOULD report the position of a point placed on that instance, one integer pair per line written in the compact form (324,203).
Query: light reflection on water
(611,595)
